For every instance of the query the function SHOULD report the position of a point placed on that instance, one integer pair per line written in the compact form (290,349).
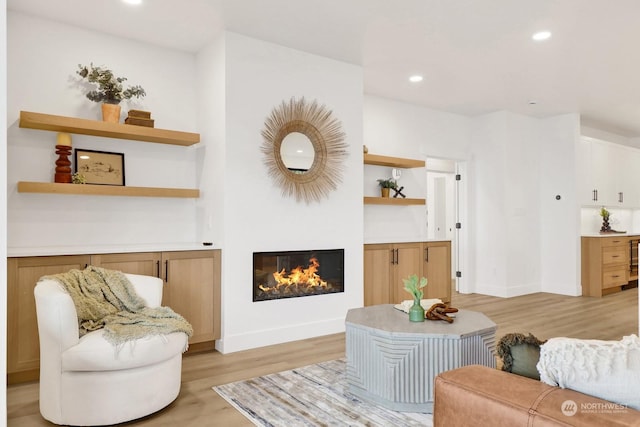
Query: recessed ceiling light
(533,102)
(541,35)
(134,2)
(415,78)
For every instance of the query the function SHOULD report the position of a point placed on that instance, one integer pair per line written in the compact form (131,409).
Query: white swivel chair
(85,381)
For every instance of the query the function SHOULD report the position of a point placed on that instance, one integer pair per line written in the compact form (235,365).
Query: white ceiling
(477,56)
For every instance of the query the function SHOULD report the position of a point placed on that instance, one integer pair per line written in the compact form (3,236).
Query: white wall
(560,219)
(41,69)
(526,240)
(259,76)
(399,129)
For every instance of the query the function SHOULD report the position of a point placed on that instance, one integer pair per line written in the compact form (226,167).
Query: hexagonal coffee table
(392,362)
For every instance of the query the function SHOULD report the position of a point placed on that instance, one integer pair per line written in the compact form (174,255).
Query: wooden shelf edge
(40,121)
(393,201)
(399,162)
(105,190)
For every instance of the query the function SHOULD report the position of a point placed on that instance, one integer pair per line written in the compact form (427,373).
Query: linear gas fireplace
(297,273)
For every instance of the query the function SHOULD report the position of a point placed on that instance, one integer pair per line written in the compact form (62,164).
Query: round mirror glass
(297,152)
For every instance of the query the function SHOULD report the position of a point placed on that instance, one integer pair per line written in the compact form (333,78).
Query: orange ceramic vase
(111,113)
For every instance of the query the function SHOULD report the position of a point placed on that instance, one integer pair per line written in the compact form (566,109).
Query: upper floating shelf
(394,162)
(105,129)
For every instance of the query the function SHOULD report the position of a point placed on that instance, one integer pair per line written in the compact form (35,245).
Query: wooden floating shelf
(75,125)
(393,201)
(394,162)
(105,190)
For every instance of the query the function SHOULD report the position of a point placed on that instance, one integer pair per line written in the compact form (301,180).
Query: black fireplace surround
(291,274)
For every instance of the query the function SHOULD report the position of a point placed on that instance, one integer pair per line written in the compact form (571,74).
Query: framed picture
(99,167)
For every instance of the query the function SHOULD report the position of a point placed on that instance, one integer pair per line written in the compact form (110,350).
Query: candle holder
(63,164)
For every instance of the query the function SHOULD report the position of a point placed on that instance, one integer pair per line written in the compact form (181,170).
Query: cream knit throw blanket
(106,299)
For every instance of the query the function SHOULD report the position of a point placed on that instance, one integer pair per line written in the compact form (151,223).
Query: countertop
(610,235)
(106,249)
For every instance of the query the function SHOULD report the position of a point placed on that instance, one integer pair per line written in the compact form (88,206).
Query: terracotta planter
(385,192)
(111,113)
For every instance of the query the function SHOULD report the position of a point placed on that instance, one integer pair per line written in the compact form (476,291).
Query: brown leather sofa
(480,396)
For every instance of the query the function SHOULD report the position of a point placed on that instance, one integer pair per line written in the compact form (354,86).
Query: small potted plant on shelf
(110,90)
(385,185)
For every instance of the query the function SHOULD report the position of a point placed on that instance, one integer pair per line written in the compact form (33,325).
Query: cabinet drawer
(615,242)
(614,255)
(614,277)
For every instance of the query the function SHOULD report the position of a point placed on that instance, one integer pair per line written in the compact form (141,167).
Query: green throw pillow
(520,354)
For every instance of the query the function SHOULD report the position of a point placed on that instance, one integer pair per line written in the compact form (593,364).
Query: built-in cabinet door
(606,174)
(436,268)
(23,348)
(604,158)
(377,274)
(627,187)
(145,263)
(408,261)
(191,280)
(586,186)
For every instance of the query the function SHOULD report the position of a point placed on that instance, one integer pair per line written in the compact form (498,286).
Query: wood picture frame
(99,167)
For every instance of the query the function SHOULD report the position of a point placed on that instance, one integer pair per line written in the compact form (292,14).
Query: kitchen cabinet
(606,174)
(387,264)
(191,288)
(605,264)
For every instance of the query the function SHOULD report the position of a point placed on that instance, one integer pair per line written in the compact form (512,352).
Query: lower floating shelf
(393,201)
(105,190)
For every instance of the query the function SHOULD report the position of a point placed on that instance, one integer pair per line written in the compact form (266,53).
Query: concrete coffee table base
(392,362)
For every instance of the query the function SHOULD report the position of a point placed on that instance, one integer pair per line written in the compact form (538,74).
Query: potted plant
(604,213)
(414,287)
(385,185)
(108,89)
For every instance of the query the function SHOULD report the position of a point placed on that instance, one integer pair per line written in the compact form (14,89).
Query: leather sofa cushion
(495,398)
(94,353)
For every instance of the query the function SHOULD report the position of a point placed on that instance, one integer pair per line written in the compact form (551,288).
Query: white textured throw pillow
(609,370)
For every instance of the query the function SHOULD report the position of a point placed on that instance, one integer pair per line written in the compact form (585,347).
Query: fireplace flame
(298,281)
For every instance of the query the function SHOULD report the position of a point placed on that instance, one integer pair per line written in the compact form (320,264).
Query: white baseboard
(265,337)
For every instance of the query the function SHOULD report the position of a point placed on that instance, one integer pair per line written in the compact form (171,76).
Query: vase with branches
(108,89)
(414,286)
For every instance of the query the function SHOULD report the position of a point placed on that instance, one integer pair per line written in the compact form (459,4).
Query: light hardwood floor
(544,315)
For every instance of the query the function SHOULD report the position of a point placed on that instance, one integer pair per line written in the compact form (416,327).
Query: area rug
(314,395)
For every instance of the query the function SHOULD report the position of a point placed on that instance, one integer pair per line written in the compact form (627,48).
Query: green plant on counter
(604,213)
(414,286)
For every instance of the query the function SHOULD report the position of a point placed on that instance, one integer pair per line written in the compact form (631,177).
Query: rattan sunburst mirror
(325,138)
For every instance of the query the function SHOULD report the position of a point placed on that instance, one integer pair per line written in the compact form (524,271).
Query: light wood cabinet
(23,348)
(437,269)
(386,265)
(145,263)
(605,264)
(191,288)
